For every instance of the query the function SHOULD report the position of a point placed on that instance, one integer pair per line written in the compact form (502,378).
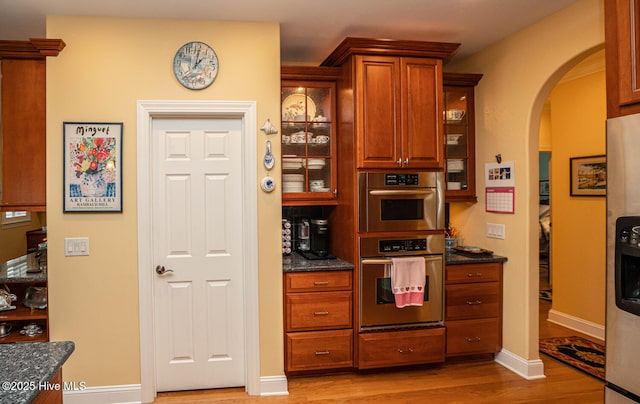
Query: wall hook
(499,158)
(268,128)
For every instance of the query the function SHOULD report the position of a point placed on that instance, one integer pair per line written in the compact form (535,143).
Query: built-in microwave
(400,201)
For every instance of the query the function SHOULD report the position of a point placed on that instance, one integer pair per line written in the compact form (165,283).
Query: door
(197,251)
(422,122)
(378,109)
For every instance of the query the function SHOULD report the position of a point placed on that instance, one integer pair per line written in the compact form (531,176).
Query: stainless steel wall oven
(377,306)
(400,201)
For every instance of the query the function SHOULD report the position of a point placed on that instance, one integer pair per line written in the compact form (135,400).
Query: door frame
(147,111)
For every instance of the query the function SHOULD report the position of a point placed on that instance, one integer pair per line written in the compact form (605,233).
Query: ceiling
(310,30)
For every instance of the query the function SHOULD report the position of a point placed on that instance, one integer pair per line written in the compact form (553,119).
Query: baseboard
(128,393)
(274,386)
(132,393)
(576,324)
(528,369)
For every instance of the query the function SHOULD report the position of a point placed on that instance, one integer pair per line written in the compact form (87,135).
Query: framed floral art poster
(92,167)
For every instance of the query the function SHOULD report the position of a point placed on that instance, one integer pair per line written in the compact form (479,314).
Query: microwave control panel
(402,179)
(408,245)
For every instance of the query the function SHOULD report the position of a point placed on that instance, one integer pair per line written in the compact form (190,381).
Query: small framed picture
(92,167)
(588,175)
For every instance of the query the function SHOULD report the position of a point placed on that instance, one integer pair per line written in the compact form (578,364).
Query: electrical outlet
(495,230)
(76,246)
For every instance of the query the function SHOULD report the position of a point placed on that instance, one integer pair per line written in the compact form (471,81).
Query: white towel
(408,280)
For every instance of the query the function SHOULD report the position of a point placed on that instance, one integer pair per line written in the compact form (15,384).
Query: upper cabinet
(24,122)
(622,40)
(308,136)
(459,136)
(399,118)
(390,104)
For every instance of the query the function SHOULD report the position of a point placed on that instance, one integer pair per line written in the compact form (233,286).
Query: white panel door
(197,229)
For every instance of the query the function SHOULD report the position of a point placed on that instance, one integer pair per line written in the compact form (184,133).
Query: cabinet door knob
(406,161)
(399,162)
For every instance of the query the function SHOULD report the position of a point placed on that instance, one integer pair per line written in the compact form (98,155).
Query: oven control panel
(402,245)
(402,179)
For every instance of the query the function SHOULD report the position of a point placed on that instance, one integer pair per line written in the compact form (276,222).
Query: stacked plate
(291,163)
(314,164)
(292,182)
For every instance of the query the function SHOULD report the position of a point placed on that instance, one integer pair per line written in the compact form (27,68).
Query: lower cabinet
(473,308)
(53,395)
(400,348)
(318,350)
(318,316)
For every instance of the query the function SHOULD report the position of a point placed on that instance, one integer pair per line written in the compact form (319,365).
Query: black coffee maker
(318,241)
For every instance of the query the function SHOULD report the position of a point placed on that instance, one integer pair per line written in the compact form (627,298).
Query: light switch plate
(495,230)
(74,246)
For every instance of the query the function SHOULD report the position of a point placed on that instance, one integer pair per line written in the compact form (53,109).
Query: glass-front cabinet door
(308,143)
(459,136)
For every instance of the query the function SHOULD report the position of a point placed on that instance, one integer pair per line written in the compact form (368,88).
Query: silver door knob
(161,270)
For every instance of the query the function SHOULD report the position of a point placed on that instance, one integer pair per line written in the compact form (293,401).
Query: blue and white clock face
(195,65)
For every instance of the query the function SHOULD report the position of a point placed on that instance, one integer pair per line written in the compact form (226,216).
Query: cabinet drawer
(319,350)
(473,336)
(318,281)
(382,349)
(318,311)
(467,301)
(489,272)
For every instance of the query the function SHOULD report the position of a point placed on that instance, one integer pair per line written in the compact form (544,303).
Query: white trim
(147,110)
(129,393)
(528,369)
(577,324)
(132,393)
(274,386)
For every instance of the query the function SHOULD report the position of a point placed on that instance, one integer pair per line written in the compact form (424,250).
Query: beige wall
(519,73)
(578,116)
(106,67)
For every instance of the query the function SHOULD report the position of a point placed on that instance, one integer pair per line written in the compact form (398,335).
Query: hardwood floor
(476,381)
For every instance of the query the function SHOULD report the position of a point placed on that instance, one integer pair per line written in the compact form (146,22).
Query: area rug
(576,352)
(545,294)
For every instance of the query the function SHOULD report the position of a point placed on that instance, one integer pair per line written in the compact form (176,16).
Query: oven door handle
(369,261)
(399,192)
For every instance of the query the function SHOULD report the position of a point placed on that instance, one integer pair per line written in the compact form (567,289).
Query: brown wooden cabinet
(52,395)
(459,136)
(398,112)
(22,315)
(473,308)
(309,136)
(318,317)
(24,122)
(390,103)
(622,40)
(400,348)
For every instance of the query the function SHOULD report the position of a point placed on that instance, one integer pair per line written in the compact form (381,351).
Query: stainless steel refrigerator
(622,369)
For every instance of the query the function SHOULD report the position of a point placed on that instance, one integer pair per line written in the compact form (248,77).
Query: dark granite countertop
(297,263)
(19,270)
(457,259)
(28,366)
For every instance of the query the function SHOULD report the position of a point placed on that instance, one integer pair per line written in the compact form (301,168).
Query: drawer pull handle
(475,302)
(322,352)
(320,313)
(470,275)
(318,283)
(408,350)
(474,339)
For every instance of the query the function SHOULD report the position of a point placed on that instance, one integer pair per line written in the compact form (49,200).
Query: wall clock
(195,65)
